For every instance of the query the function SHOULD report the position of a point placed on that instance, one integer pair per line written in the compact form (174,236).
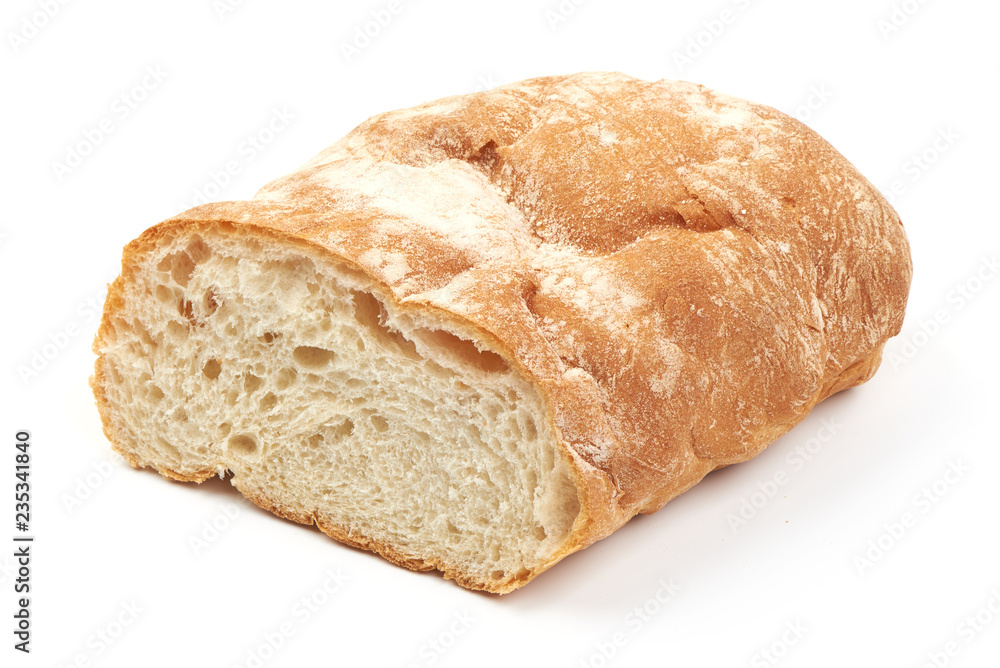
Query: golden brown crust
(681,274)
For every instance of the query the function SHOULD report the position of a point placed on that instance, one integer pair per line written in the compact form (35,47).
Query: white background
(111,539)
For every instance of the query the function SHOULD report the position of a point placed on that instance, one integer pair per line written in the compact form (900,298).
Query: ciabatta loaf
(482,333)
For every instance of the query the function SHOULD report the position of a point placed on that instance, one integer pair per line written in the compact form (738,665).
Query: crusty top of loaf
(684,274)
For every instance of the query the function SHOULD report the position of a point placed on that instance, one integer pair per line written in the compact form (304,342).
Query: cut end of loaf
(387,427)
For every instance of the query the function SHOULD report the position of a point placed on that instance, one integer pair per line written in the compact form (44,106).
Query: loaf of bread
(482,333)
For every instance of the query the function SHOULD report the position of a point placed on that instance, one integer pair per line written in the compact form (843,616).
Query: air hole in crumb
(177,330)
(540,534)
(371,313)
(337,378)
(354,383)
(497,575)
(530,431)
(343,430)
(185,308)
(179,265)
(198,251)
(144,335)
(312,358)
(164,294)
(269,337)
(285,378)
(438,371)
(379,423)
(268,402)
(212,369)
(225,428)
(515,431)
(451,527)
(112,370)
(465,351)
(251,383)
(243,444)
(155,393)
(211,301)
